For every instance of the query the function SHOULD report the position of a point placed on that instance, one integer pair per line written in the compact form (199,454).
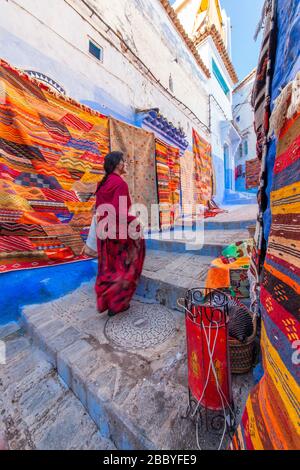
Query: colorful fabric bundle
(168,181)
(272,416)
(51,158)
(230,271)
(138,146)
(252,173)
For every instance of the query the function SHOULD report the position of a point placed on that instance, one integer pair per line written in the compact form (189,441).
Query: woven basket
(242,354)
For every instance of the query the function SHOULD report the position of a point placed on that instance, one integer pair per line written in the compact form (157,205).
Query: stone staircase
(129,372)
(239,198)
(68,365)
(38,410)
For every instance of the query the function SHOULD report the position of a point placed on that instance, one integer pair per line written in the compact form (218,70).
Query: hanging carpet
(271,419)
(204,177)
(138,147)
(252,173)
(168,182)
(51,158)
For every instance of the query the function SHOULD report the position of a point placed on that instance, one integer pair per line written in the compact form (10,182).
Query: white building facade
(209,28)
(120,57)
(244,120)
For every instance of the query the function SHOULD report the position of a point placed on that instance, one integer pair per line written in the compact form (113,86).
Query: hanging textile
(261,87)
(187,170)
(138,146)
(168,182)
(204,177)
(252,173)
(203,169)
(51,158)
(272,415)
(261,101)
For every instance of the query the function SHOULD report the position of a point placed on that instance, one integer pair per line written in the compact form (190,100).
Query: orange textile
(50,147)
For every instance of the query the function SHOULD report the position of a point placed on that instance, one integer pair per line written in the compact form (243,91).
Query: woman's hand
(86,251)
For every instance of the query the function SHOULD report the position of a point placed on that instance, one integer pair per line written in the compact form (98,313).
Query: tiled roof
(214,33)
(245,80)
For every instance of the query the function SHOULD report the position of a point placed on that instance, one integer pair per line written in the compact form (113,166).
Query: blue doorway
(227,170)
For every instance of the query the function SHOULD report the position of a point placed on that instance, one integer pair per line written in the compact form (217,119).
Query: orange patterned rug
(51,158)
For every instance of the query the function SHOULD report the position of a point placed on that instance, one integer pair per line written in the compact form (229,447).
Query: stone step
(167,276)
(213,241)
(38,411)
(129,371)
(231,225)
(211,224)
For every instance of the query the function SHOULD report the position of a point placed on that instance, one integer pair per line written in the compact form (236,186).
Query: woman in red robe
(121,256)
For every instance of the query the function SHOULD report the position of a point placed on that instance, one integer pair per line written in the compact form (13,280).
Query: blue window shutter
(95,50)
(218,74)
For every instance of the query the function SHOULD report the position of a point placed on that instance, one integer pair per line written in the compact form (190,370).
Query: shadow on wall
(35,286)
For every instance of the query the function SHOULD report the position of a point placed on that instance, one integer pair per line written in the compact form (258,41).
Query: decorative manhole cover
(143,326)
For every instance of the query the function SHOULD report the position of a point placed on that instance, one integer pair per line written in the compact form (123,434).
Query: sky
(245,15)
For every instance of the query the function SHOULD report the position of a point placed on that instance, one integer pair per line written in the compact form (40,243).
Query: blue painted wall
(35,286)
(240,185)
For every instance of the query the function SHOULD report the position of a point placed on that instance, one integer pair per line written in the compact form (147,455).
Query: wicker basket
(242,354)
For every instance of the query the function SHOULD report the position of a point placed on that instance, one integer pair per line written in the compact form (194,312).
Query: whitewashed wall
(220,117)
(244,119)
(52,37)
(242,108)
(222,132)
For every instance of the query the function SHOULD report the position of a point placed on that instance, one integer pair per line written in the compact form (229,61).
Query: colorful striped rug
(203,169)
(51,158)
(272,416)
(168,182)
(252,173)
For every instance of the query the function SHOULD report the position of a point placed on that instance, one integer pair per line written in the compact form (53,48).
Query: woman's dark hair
(111,161)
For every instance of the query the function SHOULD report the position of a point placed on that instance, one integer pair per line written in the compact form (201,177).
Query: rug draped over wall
(252,173)
(168,181)
(51,158)
(187,170)
(204,175)
(138,147)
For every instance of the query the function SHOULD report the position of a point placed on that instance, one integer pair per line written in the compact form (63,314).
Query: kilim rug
(138,146)
(252,173)
(272,416)
(203,169)
(168,182)
(204,176)
(51,158)
(262,85)
(187,170)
